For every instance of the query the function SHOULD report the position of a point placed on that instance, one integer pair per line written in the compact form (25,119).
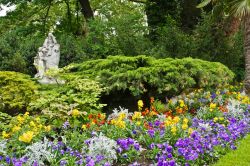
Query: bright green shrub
(16,91)
(59,100)
(142,74)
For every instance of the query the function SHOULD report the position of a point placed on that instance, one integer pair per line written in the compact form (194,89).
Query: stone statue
(47,58)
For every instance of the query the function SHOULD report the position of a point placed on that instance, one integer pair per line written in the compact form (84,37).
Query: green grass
(239,157)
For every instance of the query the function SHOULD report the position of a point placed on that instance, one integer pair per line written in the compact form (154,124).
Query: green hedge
(142,74)
(16,91)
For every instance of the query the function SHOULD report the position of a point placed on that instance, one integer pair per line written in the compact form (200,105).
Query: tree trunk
(86,9)
(247,52)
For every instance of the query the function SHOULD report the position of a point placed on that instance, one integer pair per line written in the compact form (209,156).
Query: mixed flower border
(190,129)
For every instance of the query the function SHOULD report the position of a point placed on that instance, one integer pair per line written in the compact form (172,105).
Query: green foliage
(142,74)
(16,91)
(59,100)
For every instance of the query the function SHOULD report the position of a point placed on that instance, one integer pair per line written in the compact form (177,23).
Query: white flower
(102,145)
(39,152)
(206,126)
(117,112)
(234,108)
(3,147)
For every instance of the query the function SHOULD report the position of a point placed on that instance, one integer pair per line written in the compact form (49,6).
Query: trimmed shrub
(16,91)
(146,75)
(57,101)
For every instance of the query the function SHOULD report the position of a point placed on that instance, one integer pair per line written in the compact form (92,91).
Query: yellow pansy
(184,126)
(102,116)
(181,103)
(32,124)
(173,130)
(20,119)
(138,123)
(122,116)
(5,134)
(215,119)
(37,119)
(26,114)
(185,120)
(176,119)
(136,115)
(84,127)
(221,118)
(26,137)
(190,131)
(212,106)
(47,128)
(167,123)
(16,128)
(75,112)
(152,113)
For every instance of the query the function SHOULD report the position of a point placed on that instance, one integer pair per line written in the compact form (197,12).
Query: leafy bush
(16,91)
(142,74)
(59,100)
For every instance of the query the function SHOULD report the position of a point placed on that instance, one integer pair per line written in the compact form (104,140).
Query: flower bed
(190,129)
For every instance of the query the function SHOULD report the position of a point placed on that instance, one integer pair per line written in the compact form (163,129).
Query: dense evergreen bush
(16,91)
(146,75)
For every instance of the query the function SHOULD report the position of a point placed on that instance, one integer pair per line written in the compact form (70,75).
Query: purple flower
(8,159)
(106,164)
(157,123)
(137,146)
(91,162)
(66,125)
(63,162)
(151,133)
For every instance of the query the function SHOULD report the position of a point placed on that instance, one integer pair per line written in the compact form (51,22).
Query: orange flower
(179,111)
(144,113)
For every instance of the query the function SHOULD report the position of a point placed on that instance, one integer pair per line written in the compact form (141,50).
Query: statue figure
(47,58)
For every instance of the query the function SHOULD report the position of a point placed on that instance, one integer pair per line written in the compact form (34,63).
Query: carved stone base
(48,80)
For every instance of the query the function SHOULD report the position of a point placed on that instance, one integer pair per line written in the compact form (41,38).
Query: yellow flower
(140,104)
(122,116)
(181,103)
(20,119)
(84,127)
(75,113)
(212,106)
(173,130)
(32,124)
(5,134)
(26,114)
(152,113)
(167,123)
(185,120)
(47,128)
(138,123)
(190,131)
(26,137)
(184,126)
(121,124)
(37,119)
(176,119)
(221,118)
(40,126)
(215,119)
(137,115)
(16,128)
(102,116)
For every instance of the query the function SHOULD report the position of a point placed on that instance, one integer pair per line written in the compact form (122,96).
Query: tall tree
(241,10)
